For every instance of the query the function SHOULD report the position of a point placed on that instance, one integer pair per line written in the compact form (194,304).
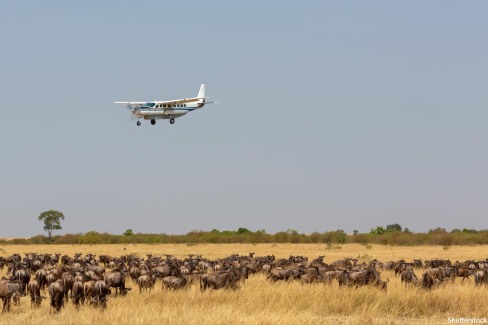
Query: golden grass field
(261,302)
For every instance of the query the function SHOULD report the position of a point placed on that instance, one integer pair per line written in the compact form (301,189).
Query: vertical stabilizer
(201,92)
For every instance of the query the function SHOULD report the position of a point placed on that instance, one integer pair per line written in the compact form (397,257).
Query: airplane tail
(201,93)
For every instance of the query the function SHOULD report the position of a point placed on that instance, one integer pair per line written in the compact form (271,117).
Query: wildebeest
(280,274)
(465,273)
(146,282)
(312,275)
(68,281)
(41,275)
(22,275)
(221,279)
(8,290)
(88,289)
(173,282)
(100,293)
(429,280)
(437,273)
(56,293)
(408,277)
(365,277)
(34,289)
(116,279)
(167,270)
(481,277)
(77,293)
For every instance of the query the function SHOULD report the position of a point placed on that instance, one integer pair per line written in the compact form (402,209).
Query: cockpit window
(151,105)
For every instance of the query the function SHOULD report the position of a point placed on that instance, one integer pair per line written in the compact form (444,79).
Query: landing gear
(153,121)
(172,120)
(138,123)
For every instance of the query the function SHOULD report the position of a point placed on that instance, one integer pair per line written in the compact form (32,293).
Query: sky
(331,115)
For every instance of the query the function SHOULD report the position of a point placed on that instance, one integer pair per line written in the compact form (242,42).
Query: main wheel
(172,121)
(153,121)
(138,123)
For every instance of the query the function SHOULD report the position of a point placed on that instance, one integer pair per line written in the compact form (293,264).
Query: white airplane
(169,109)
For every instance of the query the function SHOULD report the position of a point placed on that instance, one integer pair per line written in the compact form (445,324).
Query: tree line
(392,235)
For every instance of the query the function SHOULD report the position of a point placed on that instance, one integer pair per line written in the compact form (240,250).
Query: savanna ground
(261,302)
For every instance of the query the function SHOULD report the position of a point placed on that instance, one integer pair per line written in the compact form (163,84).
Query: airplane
(169,109)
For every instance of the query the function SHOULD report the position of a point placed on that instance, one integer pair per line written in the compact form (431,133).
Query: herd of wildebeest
(88,279)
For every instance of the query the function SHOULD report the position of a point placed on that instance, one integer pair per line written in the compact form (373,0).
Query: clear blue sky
(332,115)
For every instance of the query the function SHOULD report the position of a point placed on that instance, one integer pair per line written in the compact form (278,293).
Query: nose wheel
(172,120)
(153,121)
(138,123)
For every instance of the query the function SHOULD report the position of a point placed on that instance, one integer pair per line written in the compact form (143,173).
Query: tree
(242,230)
(128,232)
(394,227)
(438,230)
(378,230)
(52,221)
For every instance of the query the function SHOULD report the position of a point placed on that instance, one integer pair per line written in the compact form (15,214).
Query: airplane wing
(180,101)
(130,103)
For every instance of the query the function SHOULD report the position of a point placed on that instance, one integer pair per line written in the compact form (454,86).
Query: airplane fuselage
(156,111)
(169,109)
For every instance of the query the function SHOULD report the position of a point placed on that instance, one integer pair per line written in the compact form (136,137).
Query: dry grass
(261,302)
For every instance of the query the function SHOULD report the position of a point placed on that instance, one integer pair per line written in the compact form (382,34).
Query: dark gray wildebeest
(450,272)
(481,277)
(100,292)
(98,270)
(77,293)
(8,291)
(116,279)
(22,274)
(383,285)
(88,289)
(166,270)
(146,282)
(409,278)
(68,281)
(400,267)
(56,294)
(34,289)
(363,277)
(174,282)
(437,273)
(429,280)
(134,271)
(312,275)
(337,274)
(41,275)
(280,274)
(221,279)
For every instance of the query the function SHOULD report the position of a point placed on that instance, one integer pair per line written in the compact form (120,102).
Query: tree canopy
(52,221)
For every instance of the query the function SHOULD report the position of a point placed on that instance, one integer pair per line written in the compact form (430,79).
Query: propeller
(133,111)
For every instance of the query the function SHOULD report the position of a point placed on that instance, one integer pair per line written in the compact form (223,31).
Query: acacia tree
(52,221)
